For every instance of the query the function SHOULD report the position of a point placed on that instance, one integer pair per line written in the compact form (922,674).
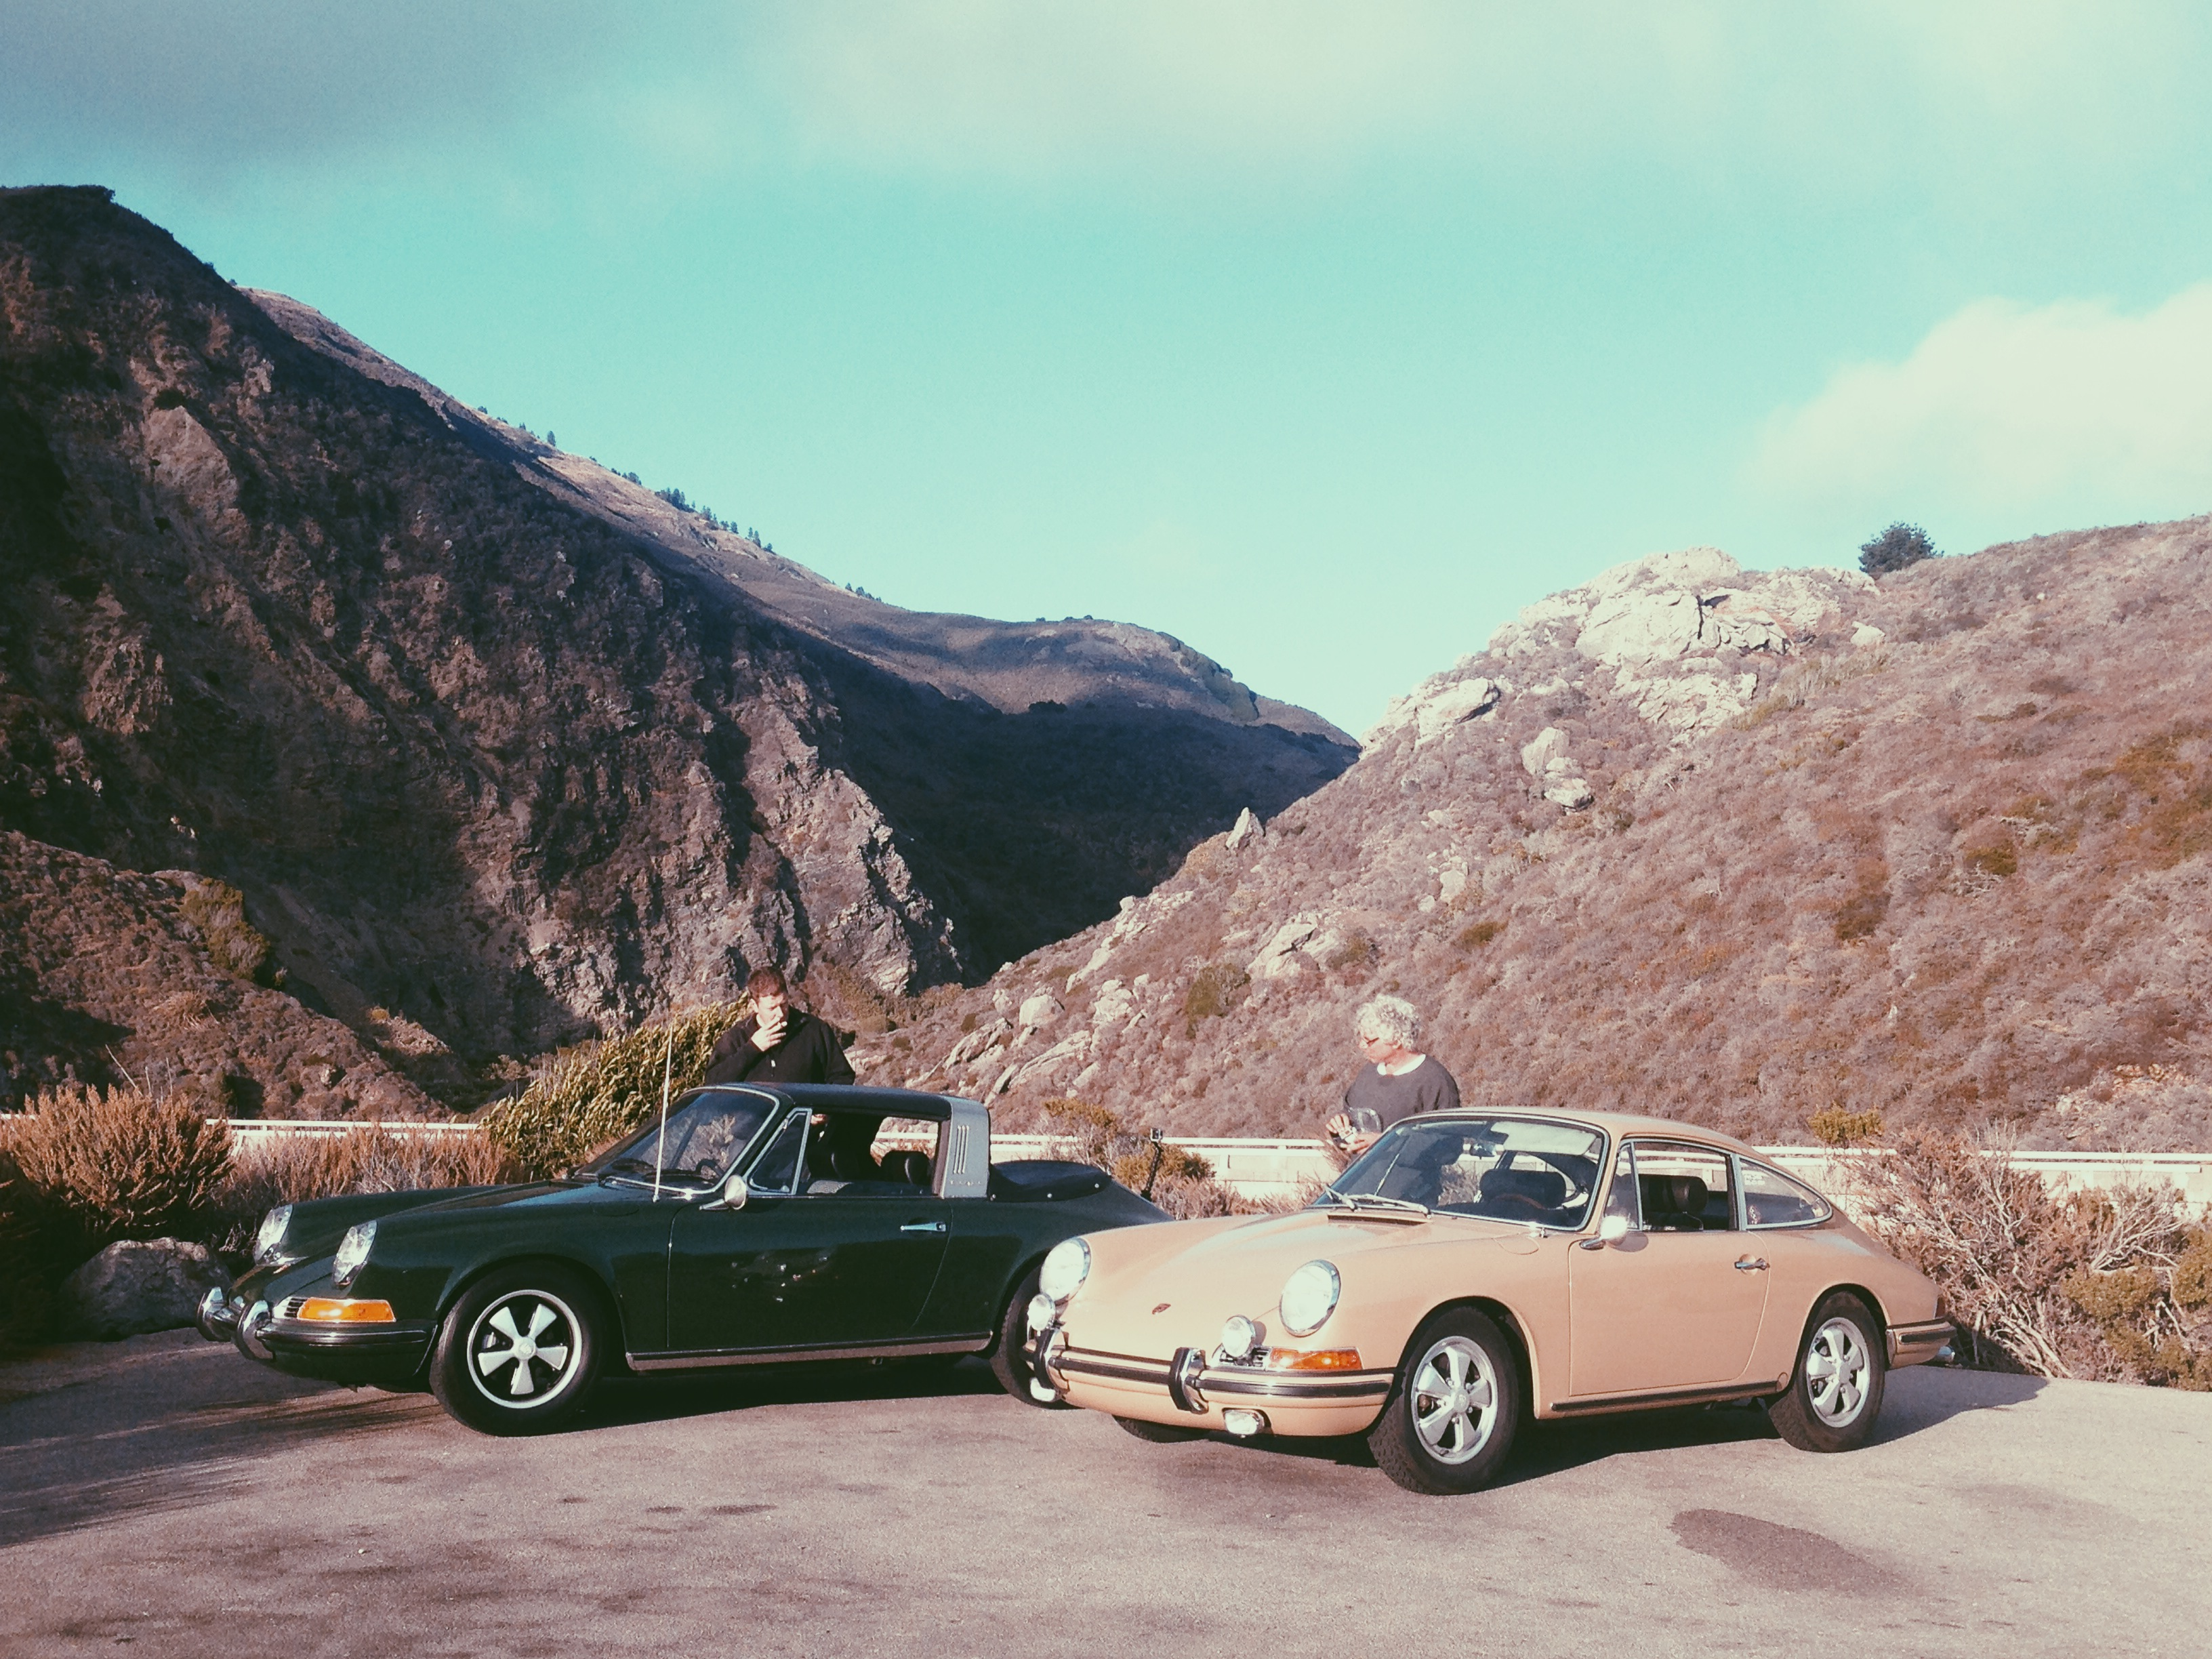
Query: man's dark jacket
(809,1052)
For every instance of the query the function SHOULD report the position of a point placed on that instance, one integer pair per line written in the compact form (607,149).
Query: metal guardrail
(1258,1169)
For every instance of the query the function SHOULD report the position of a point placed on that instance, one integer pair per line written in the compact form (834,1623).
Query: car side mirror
(735,1192)
(1611,1230)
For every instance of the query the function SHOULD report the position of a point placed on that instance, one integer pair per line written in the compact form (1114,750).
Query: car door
(805,1264)
(1675,1304)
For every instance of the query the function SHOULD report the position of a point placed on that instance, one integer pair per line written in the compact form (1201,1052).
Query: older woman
(1398,1079)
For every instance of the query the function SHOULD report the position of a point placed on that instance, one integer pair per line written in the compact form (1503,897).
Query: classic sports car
(758,1224)
(1472,1268)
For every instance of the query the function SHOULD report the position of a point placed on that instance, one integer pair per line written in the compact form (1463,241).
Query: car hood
(1155,1289)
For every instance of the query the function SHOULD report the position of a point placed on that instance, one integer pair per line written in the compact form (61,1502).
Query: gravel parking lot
(162,1493)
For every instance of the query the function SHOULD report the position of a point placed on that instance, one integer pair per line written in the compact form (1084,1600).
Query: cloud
(2007,407)
(1143,90)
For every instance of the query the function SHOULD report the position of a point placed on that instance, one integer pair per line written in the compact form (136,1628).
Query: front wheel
(1836,1393)
(1454,1409)
(520,1350)
(1009,1363)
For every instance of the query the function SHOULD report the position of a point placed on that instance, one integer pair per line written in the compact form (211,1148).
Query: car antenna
(1159,1151)
(660,1142)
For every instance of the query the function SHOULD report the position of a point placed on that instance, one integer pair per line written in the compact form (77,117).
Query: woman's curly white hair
(1393,1020)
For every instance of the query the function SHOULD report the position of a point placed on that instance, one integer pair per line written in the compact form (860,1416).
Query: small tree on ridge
(1900,545)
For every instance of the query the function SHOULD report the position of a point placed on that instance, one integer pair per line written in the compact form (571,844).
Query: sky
(1324,336)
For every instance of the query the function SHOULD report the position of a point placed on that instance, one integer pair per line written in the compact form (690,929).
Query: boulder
(1040,1010)
(139,1284)
(1547,745)
(1246,827)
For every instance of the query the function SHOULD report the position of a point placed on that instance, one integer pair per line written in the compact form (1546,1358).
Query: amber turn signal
(328,1310)
(1317,1360)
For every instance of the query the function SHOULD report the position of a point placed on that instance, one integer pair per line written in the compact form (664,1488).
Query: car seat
(1675,1204)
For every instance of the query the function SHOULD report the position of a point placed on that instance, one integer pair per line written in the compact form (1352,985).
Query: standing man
(1398,1079)
(777,1042)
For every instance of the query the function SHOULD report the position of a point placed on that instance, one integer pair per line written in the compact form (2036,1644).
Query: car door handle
(939,1227)
(1751,1264)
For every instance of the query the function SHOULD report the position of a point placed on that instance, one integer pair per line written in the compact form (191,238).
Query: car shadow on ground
(621,1401)
(1917,1400)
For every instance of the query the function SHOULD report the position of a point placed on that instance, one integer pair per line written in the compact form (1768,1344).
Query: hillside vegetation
(1733,848)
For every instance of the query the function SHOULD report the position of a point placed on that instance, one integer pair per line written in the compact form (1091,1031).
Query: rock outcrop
(138,1286)
(492,765)
(1732,846)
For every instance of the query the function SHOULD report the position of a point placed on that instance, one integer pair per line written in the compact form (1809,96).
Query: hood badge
(1162,1307)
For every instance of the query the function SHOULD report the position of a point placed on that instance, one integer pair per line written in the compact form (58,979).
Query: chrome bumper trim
(1238,1382)
(1923,1339)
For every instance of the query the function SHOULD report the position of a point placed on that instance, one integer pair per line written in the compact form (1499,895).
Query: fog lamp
(334,1310)
(1239,1336)
(1041,1312)
(1243,1424)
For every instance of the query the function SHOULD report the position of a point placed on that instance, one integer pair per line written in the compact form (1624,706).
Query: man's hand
(770,1032)
(1341,1132)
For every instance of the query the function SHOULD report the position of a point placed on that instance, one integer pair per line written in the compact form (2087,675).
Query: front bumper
(387,1353)
(1192,1388)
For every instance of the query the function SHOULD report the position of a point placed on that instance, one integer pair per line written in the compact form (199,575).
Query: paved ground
(166,1494)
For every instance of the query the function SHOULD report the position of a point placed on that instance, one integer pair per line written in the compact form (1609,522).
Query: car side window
(1684,1189)
(1771,1199)
(776,1169)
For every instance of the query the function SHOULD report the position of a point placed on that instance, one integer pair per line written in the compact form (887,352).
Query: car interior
(843,1160)
(1677,1202)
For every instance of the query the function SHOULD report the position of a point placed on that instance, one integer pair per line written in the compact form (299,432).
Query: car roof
(1619,1125)
(851,1098)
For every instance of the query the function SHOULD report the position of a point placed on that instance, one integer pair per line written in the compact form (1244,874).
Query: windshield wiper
(1357,1200)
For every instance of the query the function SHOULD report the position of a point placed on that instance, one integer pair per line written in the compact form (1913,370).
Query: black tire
(1008,1363)
(1835,1390)
(535,1328)
(1460,1367)
(1160,1434)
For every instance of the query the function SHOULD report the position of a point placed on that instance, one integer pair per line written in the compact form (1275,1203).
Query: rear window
(1771,1199)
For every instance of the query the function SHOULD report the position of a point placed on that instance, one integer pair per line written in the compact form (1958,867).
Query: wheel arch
(1510,1325)
(607,1308)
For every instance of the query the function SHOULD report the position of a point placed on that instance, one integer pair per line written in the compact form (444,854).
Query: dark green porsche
(759,1225)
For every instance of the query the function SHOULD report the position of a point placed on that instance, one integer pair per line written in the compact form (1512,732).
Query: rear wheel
(1008,1363)
(1160,1434)
(1836,1393)
(1456,1403)
(520,1350)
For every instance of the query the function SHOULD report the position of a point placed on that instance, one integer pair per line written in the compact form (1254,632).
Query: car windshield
(1508,1169)
(707,1131)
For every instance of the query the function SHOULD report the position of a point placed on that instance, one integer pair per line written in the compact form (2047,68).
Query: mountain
(488,761)
(1732,847)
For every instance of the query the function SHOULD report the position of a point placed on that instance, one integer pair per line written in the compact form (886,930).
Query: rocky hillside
(490,766)
(1732,847)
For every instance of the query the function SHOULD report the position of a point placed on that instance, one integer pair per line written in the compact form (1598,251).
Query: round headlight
(1065,1269)
(353,1251)
(1309,1296)
(1239,1336)
(272,1233)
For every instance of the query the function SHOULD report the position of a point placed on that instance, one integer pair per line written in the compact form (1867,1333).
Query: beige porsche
(1472,1269)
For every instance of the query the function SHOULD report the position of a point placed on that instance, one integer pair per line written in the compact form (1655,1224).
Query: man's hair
(1392,1019)
(766,979)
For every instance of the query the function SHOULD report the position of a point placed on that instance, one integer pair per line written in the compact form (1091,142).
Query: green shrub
(1838,1126)
(1898,547)
(591,1095)
(1475,935)
(217,911)
(114,1164)
(1212,993)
